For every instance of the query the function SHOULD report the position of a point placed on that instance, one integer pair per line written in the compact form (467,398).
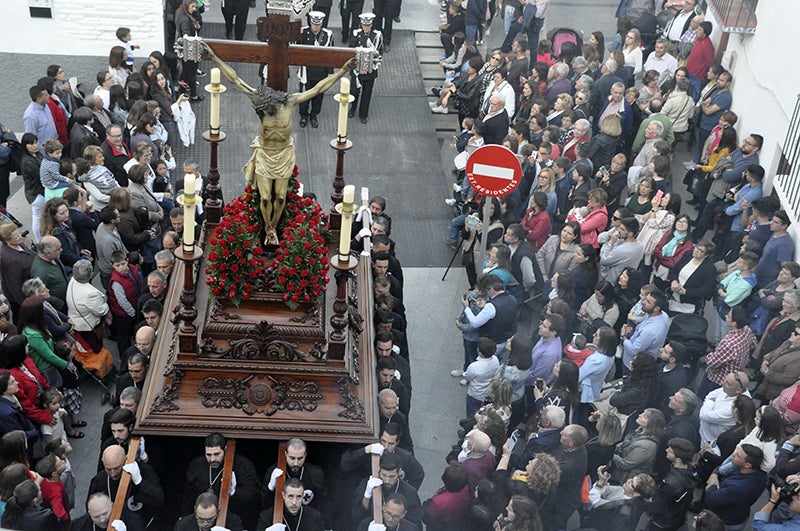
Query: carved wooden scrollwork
(166,400)
(353,408)
(263,342)
(259,394)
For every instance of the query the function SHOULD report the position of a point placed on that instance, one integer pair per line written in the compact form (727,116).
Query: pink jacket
(593,224)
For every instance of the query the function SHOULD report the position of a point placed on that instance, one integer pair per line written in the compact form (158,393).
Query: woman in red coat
(536,221)
(670,249)
(14,357)
(596,220)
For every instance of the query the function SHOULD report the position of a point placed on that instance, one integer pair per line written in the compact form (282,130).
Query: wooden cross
(281,50)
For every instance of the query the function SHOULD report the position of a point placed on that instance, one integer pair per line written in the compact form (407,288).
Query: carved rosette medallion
(259,394)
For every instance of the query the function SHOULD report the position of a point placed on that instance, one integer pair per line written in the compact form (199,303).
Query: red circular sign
(494,170)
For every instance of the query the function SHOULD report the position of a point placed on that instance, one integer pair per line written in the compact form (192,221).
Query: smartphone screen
(658,196)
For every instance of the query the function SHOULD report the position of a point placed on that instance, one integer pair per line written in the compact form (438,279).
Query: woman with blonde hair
(632,52)
(562,103)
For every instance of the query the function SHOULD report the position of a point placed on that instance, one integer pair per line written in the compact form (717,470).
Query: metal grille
(736,16)
(787,179)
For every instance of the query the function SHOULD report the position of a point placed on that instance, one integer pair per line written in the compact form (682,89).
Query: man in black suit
(496,121)
(204,516)
(602,87)
(98,514)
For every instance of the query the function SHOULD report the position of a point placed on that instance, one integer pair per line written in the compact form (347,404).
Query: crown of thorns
(267,99)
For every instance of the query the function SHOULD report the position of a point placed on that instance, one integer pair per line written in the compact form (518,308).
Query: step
(431,71)
(430,55)
(445,122)
(428,40)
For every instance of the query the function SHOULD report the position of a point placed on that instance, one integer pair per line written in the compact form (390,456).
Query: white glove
(233,483)
(276,527)
(365,233)
(376,527)
(142,452)
(396,349)
(376,449)
(361,210)
(273,478)
(219,527)
(397,375)
(133,470)
(371,484)
(119,525)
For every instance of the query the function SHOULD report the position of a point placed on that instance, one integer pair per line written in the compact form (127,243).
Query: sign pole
(487,207)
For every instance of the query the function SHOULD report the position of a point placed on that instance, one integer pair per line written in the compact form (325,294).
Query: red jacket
(60,119)
(686,246)
(131,283)
(701,58)
(54,497)
(537,227)
(28,394)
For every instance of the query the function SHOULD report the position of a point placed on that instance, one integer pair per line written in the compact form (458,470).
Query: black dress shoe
(229,35)
(197,98)
(397,19)
(314,122)
(352,111)
(386,47)
(364,120)
(692,201)
(303,121)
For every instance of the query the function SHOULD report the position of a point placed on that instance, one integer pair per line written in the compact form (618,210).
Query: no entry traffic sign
(494,170)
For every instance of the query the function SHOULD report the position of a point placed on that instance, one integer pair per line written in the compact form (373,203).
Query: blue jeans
(456,224)
(473,405)
(508,18)
(472,33)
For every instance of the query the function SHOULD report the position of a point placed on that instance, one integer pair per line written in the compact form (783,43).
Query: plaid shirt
(731,354)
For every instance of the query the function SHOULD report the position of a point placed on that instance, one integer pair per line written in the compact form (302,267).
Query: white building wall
(81,27)
(766,85)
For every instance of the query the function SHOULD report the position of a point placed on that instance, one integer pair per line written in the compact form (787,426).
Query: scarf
(670,246)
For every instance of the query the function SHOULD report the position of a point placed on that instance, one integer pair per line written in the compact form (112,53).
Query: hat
(366,19)
(316,17)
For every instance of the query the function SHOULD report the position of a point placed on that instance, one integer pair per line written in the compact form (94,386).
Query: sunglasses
(738,379)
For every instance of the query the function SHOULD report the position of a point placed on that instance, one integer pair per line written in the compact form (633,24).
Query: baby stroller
(690,330)
(559,36)
(96,365)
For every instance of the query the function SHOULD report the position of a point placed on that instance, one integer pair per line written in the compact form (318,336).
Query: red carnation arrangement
(236,258)
(300,269)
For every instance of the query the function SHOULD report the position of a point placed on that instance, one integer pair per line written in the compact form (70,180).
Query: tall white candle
(188,212)
(348,196)
(215,100)
(344,96)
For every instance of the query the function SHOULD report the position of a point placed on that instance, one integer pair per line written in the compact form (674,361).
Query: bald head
(113,459)
(387,403)
(480,442)
(99,508)
(49,247)
(145,337)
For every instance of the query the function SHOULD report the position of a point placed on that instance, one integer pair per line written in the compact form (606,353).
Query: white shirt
(666,65)
(716,415)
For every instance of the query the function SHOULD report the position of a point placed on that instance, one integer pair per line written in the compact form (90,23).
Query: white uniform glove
(376,527)
(273,478)
(119,525)
(142,452)
(133,470)
(276,527)
(371,484)
(397,375)
(233,483)
(376,449)
(219,528)
(364,233)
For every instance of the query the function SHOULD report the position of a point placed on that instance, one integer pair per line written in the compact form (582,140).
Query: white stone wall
(766,82)
(81,27)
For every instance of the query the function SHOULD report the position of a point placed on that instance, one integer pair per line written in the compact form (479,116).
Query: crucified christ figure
(270,167)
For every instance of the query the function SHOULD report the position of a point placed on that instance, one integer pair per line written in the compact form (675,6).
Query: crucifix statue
(270,166)
(272,162)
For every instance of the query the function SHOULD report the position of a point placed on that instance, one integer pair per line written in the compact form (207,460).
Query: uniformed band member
(348,9)
(363,82)
(309,76)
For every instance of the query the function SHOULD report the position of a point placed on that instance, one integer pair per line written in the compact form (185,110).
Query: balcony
(735,16)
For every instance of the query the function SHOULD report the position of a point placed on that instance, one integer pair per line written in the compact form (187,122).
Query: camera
(786,490)
(472,222)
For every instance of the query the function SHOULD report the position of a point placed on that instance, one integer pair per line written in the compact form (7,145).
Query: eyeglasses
(206,520)
(616,218)
(749,143)
(391,516)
